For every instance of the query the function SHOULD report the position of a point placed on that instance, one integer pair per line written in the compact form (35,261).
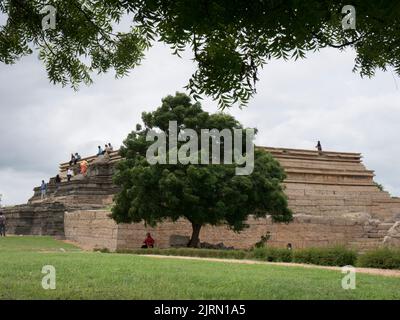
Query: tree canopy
(203,194)
(230,39)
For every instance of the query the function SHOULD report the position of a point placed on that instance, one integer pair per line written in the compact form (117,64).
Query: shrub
(272,254)
(263,241)
(191,252)
(102,250)
(279,255)
(384,258)
(140,251)
(335,256)
(259,253)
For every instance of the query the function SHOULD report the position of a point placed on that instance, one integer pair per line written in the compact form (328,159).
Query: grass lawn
(93,275)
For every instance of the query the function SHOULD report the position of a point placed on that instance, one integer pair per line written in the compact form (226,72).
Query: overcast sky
(297,104)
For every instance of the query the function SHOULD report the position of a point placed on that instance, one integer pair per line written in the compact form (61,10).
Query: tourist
(289,246)
(2,224)
(106,149)
(318,146)
(100,151)
(43,190)
(109,148)
(148,242)
(77,157)
(70,173)
(84,166)
(73,160)
(57,179)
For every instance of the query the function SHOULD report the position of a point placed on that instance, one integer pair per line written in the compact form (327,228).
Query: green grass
(94,275)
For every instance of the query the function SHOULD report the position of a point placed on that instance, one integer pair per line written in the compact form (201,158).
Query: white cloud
(16,186)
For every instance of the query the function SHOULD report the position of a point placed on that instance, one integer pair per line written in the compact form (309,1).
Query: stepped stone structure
(332,194)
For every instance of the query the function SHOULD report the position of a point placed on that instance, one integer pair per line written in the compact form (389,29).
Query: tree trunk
(195,240)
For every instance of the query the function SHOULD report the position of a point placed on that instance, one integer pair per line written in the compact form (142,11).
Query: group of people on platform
(84,164)
(108,148)
(75,159)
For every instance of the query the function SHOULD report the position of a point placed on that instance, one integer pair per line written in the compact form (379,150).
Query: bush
(102,250)
(263,241)
(384,258)
(192,252)
(335,256)
(272,254)
(140,251)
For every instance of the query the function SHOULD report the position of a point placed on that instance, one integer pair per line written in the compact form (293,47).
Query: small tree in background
(203,194)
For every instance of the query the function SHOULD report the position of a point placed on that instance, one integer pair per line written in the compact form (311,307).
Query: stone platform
(332,194)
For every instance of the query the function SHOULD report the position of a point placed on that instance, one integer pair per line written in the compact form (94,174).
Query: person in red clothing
(148,242)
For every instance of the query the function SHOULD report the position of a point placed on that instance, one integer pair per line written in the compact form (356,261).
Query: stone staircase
(333,183)
(94,190)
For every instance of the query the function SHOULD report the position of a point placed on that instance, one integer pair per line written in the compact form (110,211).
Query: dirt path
(380,272)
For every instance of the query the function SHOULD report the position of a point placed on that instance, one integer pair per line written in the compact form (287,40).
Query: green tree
(203,194)
(230,39)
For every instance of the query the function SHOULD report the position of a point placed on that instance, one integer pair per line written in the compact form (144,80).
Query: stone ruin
(332,194)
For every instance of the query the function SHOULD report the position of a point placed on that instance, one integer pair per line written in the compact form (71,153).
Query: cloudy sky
(297,104)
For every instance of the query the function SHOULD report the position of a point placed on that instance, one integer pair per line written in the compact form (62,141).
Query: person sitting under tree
(148,242)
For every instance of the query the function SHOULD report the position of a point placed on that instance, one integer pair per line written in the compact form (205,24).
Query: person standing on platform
(319,146)
(84,166)
(70,173)
(2,224)
(43,190)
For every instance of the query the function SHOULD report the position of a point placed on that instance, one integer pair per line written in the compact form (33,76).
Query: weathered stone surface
(332,194)
(36,219)
(91,228)
(392,237)
(394,231)
(302,232)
